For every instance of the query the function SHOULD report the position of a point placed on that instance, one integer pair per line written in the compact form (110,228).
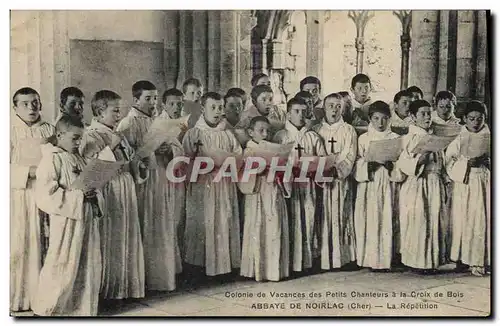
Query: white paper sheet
(96,174)
(384,150)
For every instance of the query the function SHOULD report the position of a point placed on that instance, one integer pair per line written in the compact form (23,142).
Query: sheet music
(432,143)
(446,130)
(96,174)
(31,152)
(159,132)
(384,150)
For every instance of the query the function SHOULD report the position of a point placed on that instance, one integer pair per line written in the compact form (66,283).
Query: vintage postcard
(250,163)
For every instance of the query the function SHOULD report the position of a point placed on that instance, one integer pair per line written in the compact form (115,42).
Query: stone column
(200,55)
(424,51)
(314,53)
(214,50)
(443,50)
(229,21)
(481,55)
(405,19)
(171,44)
(360,19)
(465,79)
(248,21)
(185,47)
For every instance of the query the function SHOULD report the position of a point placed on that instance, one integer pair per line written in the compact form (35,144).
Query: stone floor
(444,294)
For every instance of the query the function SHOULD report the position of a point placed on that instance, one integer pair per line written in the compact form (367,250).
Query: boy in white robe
(175,192)
(262,100)
(193,90)
(361,88)
(304,203)
(400,113)
(212,234)
(375,196)
(71,103)
(234,104)
(71,276)
(27,244)
(312,85)
(338,241)
(265,250)
(121,241)
(444,109)
(158,231)
(422,200)
(471,198)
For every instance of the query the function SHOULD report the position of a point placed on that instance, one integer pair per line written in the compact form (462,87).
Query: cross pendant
(77,170)
(331,141)
(299,149)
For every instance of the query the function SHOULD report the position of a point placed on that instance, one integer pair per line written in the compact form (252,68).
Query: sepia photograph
(250,163)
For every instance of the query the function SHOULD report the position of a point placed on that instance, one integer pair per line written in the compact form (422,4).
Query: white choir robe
(470,206)
(175,195)
(70,279)
(396,120)
(423,213)
(453,120)
(338,242)
(25,228)
(265,250)
(305,202)
(212,233)
(375,205)
(121,241)
(158,229)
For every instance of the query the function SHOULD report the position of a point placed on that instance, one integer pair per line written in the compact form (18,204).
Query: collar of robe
(414,129)
(484,130)
(96,125)
(18,122)
(203,125)
(135,112)
(374,134)
(334,125)
(356,104)
(295,133)
(440,120)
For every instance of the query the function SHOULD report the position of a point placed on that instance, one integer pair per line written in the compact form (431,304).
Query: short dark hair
(360,78)
(379,106)
(256,78)
(23,91)
(66,122)
(415,105)
(474,106)
(400,94)
(171,92)
(256,119)
(303,94)
(259,89)
(236,92)
(140,86)
(415,89)
(295,101)
(190,81)
(445,95)
(69,91)
(100,101)
(310,80)
(210,95)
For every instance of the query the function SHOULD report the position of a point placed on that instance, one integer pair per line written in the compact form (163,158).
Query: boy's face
(403,106)
(474,121)
(312,89)
(333,110)
(147,101)
(213,111)
(73,107)
(445,108)
(193,93)
(259,132)
(297,115)
(264,81)
(28,107)
(70,140)
(423,117)
(173,105)
(233,108)
(264,102)
(379,121)
(416,96)
(361,92)
(111,115)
